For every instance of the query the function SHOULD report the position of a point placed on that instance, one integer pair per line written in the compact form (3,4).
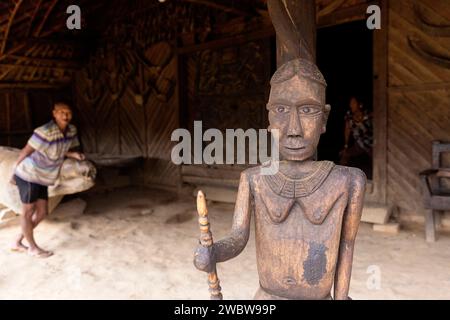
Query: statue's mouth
(294,148)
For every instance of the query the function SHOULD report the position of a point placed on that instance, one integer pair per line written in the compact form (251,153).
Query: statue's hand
(204,259)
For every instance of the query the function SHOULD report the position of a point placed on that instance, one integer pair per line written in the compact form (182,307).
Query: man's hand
(76,155)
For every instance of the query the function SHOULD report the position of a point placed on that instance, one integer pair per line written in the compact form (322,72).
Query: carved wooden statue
(307,214)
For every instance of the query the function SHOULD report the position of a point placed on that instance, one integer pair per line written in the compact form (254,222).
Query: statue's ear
(326,113)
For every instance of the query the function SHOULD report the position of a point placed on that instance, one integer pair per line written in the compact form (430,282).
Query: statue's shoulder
(251,173)
(353,175)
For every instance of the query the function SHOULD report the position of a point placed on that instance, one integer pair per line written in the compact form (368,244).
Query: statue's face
(297,110)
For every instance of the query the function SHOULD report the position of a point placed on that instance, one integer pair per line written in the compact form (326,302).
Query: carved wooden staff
(206,240)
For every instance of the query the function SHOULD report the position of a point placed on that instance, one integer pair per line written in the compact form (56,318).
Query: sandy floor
(138,244)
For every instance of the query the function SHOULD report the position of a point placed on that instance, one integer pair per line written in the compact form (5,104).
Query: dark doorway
(345,57)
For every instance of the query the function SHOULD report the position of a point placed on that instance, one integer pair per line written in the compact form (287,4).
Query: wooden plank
(375,213)
(380,67)
(389,228)
(430,226)
(420,87)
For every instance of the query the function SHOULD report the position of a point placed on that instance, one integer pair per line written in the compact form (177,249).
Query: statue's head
(297,109)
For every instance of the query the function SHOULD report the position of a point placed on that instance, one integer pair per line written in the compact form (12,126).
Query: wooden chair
(436,196)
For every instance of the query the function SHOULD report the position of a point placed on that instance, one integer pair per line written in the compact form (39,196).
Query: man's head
(62,114)
(297,108)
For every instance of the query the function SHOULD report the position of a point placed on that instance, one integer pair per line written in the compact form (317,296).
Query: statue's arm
(352,217)
(229,247)
(236,241)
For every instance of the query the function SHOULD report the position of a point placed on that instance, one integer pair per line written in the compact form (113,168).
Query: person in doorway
(38,167)
(358,135)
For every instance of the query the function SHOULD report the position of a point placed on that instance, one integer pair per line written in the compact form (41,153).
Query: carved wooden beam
(9,25)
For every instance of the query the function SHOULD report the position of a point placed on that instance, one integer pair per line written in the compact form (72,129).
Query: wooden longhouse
(139,69)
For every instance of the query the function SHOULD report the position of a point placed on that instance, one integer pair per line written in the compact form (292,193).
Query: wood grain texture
(418,105)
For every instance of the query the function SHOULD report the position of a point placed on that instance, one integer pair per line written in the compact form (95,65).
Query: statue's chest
(324,206)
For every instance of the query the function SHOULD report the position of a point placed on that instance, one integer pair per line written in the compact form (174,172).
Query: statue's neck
(297,169)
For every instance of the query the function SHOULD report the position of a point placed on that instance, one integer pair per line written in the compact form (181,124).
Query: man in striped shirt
(38,167)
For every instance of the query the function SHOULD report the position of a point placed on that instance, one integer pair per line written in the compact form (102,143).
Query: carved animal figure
(75,176)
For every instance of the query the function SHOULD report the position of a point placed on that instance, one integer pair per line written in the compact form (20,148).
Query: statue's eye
(281,109)
(309,110)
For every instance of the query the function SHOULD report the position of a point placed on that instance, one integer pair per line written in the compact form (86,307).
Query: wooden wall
(418,94)
(127,94)
(127,104)
(23,110)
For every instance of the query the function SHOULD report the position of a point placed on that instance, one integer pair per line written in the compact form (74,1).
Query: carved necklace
(295,188)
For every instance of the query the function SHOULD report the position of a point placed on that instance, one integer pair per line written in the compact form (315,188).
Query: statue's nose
(295,126)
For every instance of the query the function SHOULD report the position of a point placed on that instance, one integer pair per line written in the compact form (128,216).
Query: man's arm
(352,217)
(25,152)
(74,150)
(232,245)
(75,155)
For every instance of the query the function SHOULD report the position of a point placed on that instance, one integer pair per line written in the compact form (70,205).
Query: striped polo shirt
(50,145)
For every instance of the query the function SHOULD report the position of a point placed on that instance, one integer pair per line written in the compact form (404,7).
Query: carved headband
(301,67)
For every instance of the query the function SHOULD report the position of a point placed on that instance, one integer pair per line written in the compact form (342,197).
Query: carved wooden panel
(419,94)
(416,53)
(228,87)
(127,104)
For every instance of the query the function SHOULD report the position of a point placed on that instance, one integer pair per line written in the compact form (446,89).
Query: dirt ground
(138,244)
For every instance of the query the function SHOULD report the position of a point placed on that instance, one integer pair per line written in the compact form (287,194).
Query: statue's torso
(297,238)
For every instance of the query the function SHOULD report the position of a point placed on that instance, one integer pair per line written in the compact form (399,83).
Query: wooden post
(430,225)
(295,25)
(380,102)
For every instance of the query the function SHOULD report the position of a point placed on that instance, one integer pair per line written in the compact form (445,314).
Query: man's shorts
(31,192)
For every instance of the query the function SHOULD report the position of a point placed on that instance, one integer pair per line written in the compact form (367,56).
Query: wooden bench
(436,195)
